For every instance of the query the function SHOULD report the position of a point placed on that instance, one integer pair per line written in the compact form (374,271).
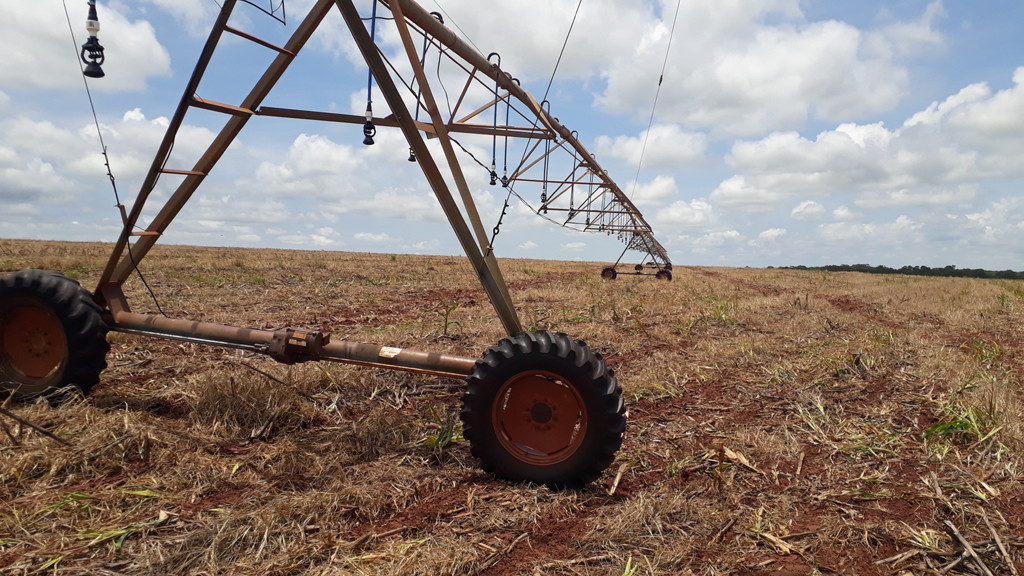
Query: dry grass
(781,422)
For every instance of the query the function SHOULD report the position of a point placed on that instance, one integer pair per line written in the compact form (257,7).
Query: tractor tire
(664,274)
(541,407)
(609,273)
(51,335)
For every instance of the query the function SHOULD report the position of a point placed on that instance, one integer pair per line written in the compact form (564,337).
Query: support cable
(522,160)
(272,12)
(106,159)
(547,157)
(650,122)
(419,89)
(508,108)
(369,130)
(494,136)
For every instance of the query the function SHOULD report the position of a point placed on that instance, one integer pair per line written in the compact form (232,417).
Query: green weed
(445,315)
(445,434)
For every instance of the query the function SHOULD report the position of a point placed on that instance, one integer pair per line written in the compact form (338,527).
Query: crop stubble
(781,422)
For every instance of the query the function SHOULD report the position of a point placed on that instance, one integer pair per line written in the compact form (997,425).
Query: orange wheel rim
(539,418)
(33,341)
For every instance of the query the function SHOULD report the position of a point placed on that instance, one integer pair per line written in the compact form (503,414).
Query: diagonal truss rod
(627,216)
(606,207)
(486,266)
(120,265)
(603,206)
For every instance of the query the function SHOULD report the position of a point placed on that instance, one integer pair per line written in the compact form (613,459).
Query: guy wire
(106,159)
(650,123)
(522,160)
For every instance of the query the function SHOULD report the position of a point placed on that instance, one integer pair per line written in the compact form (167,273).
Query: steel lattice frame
(586,197)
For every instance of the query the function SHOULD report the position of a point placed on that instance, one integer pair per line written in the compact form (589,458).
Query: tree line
(951,270)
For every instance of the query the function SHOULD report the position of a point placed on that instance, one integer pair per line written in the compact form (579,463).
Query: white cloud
(34,180)
(910,38)
(313,161)
(370,237)
(50,164)
(844,214)
(426,245)
(962,194)
(745,68)
(771,234)
(1001,223)
(23,209)
(739,194)
(892,233)
(392,204)
(736,68)
(994,124)
(656,191)
(45,55)
(528,245)
(938,157)
(322,241)
(195,14)
(808,211)
(297,239)
(574,246)
(667,146)
(337,178)
(716,240)
(694,215)
(239,210)
(767,242)
(936,111)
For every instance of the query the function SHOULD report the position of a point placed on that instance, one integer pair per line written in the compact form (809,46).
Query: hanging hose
(369,130)
(92,56)
(547,155)
(508,107)
(572,180)
(419,89)
(494,136)
(590,192)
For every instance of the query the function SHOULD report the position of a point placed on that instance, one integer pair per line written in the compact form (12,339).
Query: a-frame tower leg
(120,265)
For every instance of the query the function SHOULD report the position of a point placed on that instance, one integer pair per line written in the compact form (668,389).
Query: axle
(290,345)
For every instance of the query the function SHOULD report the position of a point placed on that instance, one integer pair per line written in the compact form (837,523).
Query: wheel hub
(33,341)
(541,413)
(539,418)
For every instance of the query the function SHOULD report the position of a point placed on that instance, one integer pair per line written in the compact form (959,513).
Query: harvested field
(780,423)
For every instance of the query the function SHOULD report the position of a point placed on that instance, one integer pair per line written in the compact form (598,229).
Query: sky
(786,132)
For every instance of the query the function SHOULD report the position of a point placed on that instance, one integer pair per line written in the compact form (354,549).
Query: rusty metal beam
(217,148)
(257,40)
(166,144)
(501,299)
(262,341)
(487,270)
(421,18)
(390,122)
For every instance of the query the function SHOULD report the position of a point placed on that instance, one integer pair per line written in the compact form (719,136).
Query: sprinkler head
(369,130)
(92,50)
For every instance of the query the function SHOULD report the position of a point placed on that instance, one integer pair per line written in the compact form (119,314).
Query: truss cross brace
(120,265)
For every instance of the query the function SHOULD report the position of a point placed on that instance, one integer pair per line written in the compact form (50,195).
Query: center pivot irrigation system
(538,406)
